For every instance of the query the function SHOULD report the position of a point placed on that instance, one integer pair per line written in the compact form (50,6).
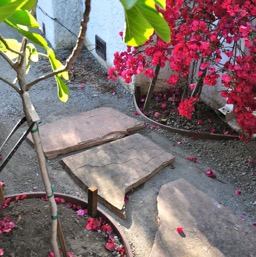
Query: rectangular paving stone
(117,167)
(210,229)
(85,130)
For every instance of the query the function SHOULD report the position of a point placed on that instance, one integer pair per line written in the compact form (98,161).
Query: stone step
(84,130)
(209,228)
(117,167)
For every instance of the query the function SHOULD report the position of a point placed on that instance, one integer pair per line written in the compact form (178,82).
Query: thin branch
(11,63)
(75,52)
(10,84)
(7,46)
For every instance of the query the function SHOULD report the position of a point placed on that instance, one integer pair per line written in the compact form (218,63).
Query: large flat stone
(85,130)
(117,167)
(210,229)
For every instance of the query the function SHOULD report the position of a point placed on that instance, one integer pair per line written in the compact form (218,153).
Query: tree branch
(11,63)
(7,46)
(10,84)
(75,52)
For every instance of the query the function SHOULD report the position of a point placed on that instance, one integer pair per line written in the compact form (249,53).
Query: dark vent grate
(100,47)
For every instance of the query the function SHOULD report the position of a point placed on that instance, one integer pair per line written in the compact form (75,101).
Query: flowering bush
(211,41)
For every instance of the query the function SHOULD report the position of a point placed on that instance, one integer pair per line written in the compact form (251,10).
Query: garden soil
(232,161)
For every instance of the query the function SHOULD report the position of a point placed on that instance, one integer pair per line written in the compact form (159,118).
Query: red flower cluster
(186,107)
(217,38)
(6,225)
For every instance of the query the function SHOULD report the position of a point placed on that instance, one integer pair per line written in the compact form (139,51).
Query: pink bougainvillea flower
(81,212)
(156,114)
(106,228)
(50,254)
(59,200)
(154,127)
(179,142)
(192,86)
(2,183)
(23,197)
(93,224)
(210,174)
(110,245)
(136,113)
(1,252)
(82,86)
(179,230)
(114,93)
(163,105)
(192,159)
(203,66)
(6,225)
(199,122)
(238,192)
(126,198)
(212,130)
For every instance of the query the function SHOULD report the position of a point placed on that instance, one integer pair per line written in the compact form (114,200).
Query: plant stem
(151,89)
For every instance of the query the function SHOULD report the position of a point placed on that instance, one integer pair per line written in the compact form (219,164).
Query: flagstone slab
(210,229)
(117,167)
(85,130)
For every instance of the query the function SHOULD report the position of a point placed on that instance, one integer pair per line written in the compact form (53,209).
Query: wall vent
(100,47)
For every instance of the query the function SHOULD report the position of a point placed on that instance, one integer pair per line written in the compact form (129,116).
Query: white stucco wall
(66,12)
(106,21)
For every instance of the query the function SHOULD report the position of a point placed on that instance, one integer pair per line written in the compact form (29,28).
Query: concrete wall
(68,13)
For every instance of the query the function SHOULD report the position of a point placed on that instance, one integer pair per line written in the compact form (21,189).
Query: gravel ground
(232,161)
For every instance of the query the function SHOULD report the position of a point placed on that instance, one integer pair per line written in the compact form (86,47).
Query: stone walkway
(115,168)
(84,130)
(209,228)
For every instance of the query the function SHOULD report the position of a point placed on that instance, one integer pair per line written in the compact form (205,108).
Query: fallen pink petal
(192,159)
(156,114)
(210,174)
(136,113)
(126,198)
(111,246)
(81,212)
(179,230)
(199,122)
(238,192)
(82,86)
(1,252)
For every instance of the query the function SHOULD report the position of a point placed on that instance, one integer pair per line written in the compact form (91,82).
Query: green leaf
(22,17)
(128,3)
(13,44)
(141,21)
(29,5)
(33,54)
(33,36)
(9,8)
(138,29)
(62,89)
(56,64)
(155,18)
(161,3)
